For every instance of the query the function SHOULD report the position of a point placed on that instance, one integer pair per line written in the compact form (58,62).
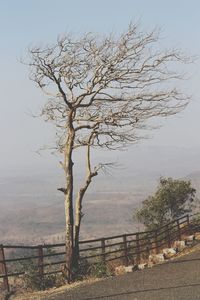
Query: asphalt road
(169,281)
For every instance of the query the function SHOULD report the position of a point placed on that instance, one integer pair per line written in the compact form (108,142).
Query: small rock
(119,270)
(189,238)
(156,258)
(197,236)
(141,266)
(169,252)
(179,245)
(129,269)
(123,269)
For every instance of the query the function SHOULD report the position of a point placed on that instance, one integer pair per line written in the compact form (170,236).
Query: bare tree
(102,93)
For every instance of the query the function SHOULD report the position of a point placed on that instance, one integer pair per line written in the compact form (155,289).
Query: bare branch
(104,92)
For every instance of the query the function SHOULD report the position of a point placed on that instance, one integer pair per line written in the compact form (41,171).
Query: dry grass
(54,291)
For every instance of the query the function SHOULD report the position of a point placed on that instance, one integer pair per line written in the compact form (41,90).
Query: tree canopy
(102,92)
(114,85)
(172,199)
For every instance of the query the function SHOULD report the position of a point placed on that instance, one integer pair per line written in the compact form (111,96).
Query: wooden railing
(125,248)
(134,246)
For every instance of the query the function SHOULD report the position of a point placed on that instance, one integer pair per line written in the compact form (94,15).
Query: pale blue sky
(29,22)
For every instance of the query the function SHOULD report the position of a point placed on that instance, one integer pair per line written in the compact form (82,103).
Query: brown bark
(79,215)
(78,212)
(69,214)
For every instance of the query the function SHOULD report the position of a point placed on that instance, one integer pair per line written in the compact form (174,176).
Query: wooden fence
(127,248)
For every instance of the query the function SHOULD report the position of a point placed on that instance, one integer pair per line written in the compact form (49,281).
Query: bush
(172,199)
(100,269)
(33,281)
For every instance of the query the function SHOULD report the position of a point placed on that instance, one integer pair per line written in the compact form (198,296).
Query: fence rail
(130,247)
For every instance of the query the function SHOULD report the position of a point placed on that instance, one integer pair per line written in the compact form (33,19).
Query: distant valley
(31,208)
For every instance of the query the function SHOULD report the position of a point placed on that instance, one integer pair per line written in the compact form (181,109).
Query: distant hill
(194,177)
(32,208)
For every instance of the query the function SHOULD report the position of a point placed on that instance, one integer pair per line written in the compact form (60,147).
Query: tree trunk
(79,215)
(69,214)
(69,237)
(73,228)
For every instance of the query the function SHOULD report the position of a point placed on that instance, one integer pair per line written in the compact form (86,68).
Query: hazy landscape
(32,208)
(99,112)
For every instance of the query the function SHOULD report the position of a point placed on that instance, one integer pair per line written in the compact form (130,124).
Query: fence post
(3,269)
(103,249)
(148,246)
(179,229)
(125,249)
(40,261)
(148,251)
(156,242)
(188,224)
(138,248)
(168,237)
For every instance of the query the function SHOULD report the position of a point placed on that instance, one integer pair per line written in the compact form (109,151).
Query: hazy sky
(29,22)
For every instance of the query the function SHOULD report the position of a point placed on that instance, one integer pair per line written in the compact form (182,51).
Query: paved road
(170,281)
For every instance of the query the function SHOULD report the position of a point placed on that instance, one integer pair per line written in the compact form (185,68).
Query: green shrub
(33,281)
(100,269)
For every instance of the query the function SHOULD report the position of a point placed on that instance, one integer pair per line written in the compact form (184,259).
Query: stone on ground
(169,252)
(123,269)
(156,258)
(179,245)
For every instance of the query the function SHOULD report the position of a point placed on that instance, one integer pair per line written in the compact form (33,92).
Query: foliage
(33,281)
(172,199)
(31,278)
(195,224)
(100,269)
